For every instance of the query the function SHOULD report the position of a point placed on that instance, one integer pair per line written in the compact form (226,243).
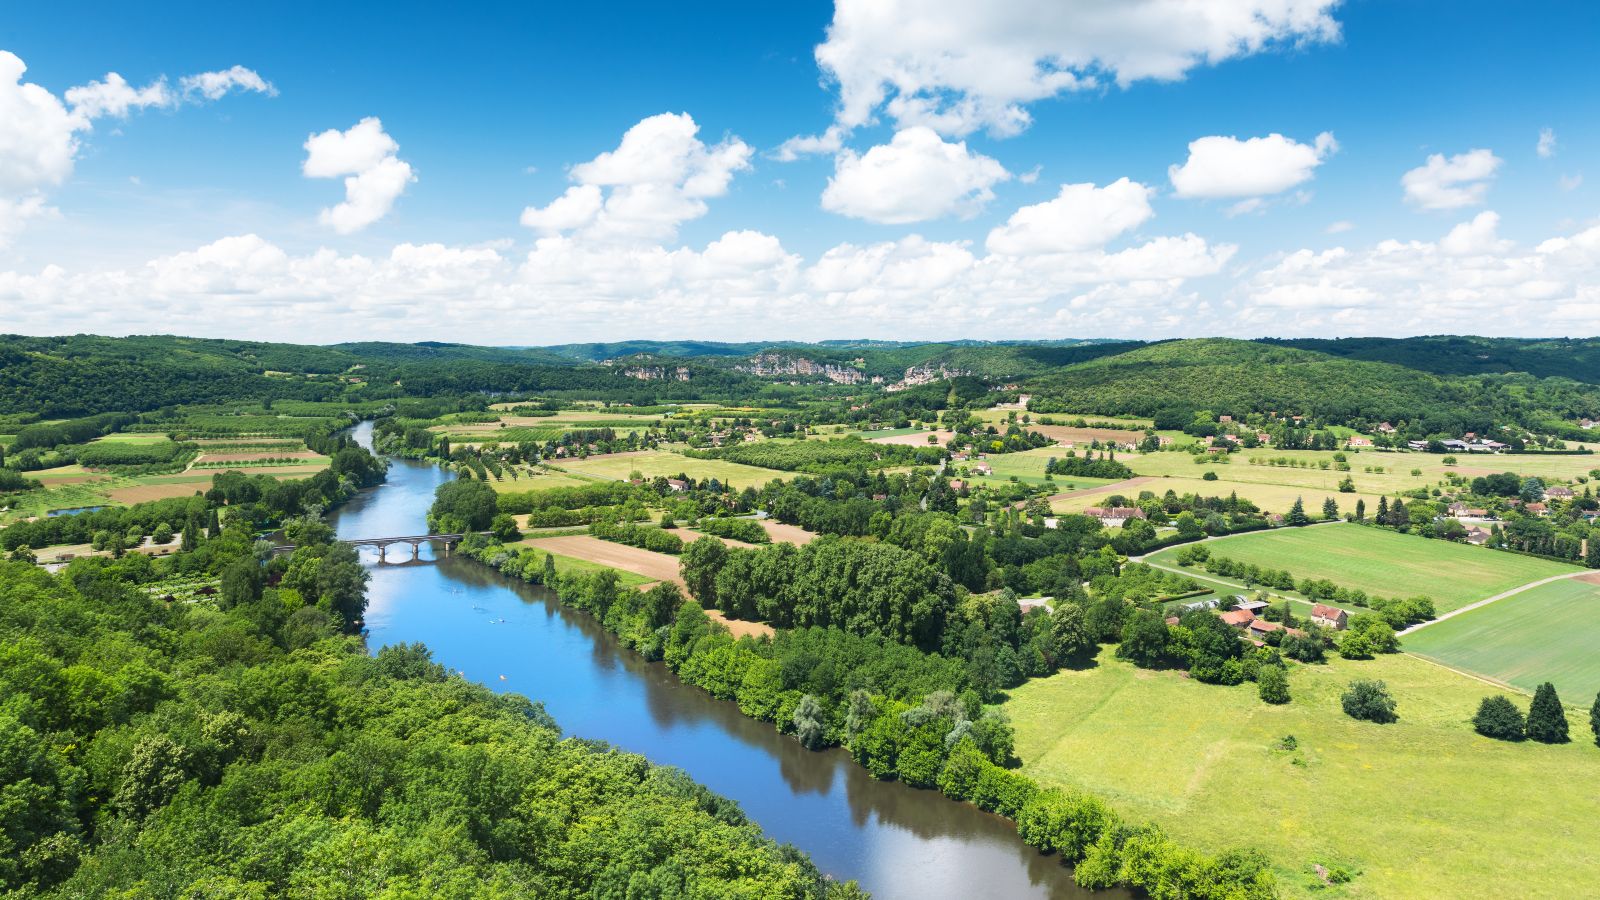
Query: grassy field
(542,481)
(1270,497)
(1386,564)
(1547,633)
(571,565)
(651,463)
(1420,808)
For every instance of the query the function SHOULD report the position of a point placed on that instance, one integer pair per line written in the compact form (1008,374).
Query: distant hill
(1236,377)
(1575,358)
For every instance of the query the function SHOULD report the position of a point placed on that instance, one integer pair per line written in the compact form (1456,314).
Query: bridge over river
(383,543)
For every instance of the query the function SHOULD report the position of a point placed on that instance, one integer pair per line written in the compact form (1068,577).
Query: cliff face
(925,374)
(657,373)
(776,364)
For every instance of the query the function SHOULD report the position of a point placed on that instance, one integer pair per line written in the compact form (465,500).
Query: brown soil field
(142,492)
(650,564)
(1590,578)
(919,439)
(787,534)
(1068,435)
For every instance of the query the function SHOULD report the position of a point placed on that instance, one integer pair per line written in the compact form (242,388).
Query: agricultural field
(536,480)
(909,437)
(650,463)
(1028,467)
(1384,563)
(1411,807)
(1270,497)
(1547,633)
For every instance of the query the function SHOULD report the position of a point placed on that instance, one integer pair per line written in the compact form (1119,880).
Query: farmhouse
(982,469)
(1330,616)
(1386,428)
(1357,440)
(1239,618)
(1478,535)
(677,484)
(1460,510)
(1114,516)
(1559,493)
(1536,509)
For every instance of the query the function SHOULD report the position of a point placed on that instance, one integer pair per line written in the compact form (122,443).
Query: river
(898,842)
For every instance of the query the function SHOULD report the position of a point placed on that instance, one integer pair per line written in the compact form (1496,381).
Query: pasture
(650,463)
(1270,497)
(1385,564)
(1418,808)
(1548,633)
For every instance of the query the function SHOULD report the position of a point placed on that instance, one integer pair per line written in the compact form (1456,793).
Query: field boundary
(1488,600)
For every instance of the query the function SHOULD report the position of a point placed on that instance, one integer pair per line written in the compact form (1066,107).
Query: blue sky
(195,214)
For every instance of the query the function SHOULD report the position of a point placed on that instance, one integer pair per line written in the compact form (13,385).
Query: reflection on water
(897,841)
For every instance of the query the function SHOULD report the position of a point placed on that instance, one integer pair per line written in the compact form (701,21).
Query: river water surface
(898,842)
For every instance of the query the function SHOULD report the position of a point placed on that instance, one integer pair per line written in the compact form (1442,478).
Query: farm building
(1478,535)
(1114,516)
(1559,493)
(1239,618)
(1330,616)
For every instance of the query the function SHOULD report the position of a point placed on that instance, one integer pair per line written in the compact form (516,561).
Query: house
(1460,510)
(677,484)
(1330,616)
(1171,621)
(1114,516)
(1032,603)
(1262,626)
(1386,428)
(1558,493)
(1239,618)
(957,484)
(1478,535)
(982,469)
(1224,419)
(1536,509)
(1164,441)
(1263,438)
(1587,424)
(1358,441)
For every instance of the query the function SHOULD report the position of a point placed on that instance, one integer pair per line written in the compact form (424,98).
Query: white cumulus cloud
(1453,182)
(213,85)
(41,134)
(915,177)
(1256,167)
(958,67)
(1081,217)
(660,175)
(374,176)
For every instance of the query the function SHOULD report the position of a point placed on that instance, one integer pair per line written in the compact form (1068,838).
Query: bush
(1499,718)
(747,530)
(1273,684)
(1369,700)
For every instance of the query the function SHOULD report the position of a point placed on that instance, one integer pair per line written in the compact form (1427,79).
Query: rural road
(1500,596)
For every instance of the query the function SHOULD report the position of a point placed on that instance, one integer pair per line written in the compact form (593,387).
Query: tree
(1369,700)
(808,725)
(191,537)
(462,505)
(1361,510)
(1144,639)
(1547,721)
(1382,518)
(1594,719)
(162,534)
(213,524)
(1330,509)
(504,527)
(1348,486)
(1272,682)
(1499,718)
(1297,514)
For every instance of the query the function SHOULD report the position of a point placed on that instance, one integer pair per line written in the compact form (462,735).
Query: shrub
(1369,700)
(1273,684)
(1499,718)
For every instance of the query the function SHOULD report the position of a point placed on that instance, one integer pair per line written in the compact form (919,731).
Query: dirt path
(1586,576)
